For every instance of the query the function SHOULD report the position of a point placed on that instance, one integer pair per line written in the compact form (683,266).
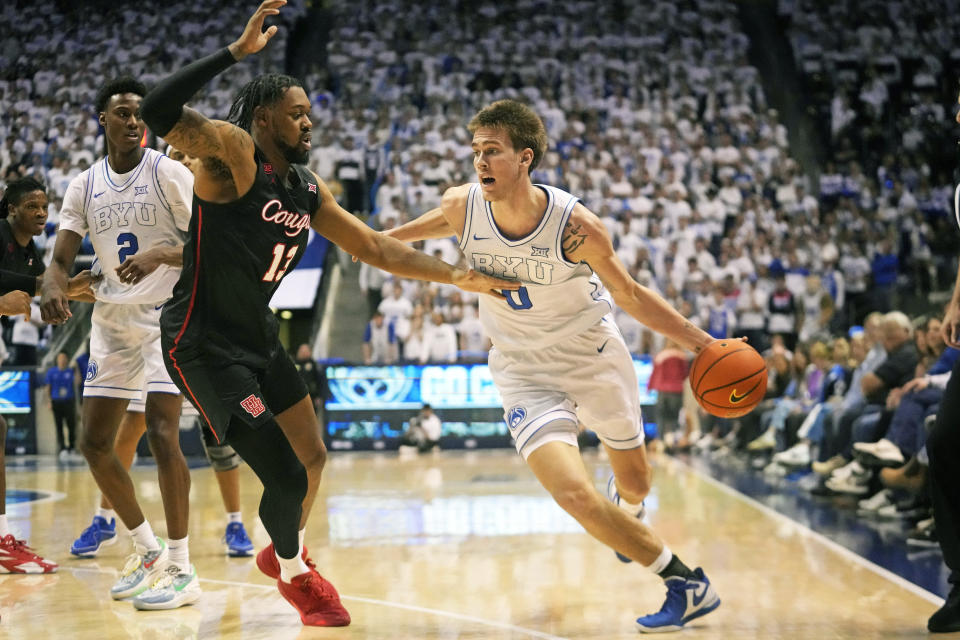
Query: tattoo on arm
(196,135)
(574,235)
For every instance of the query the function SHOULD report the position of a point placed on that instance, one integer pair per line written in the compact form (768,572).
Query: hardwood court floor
(458,545)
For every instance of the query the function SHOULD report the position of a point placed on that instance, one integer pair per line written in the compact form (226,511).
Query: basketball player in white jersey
(557,355)
(222,458)
(135,205)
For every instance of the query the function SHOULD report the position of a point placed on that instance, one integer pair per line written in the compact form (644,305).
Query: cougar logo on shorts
(92,370)
(253,405)
(515,416)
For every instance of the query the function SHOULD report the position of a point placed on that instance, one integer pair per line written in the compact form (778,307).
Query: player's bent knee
(223,458)
(164,443)
(634,489)
(316,462)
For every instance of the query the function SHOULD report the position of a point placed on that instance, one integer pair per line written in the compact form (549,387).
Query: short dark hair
(262,91)
(522,124)
(15,192)
(123,84)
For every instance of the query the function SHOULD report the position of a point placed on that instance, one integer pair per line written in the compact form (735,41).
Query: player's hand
(55,306)
(950,329)
(254,38)
(137,267)
(15,303)
(470,280)
(80,286)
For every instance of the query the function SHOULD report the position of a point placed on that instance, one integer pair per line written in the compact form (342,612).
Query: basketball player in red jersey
(253,207)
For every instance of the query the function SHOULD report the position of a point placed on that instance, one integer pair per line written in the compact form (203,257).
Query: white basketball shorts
(588,378)
(125,357)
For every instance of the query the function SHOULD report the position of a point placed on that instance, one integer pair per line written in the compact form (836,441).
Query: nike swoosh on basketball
(734,398)
(602,347)
(476,238)
(97,195)
(696,599)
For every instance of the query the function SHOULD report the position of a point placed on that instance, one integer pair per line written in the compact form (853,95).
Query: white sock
(179,553)
(635,510)
(662,560)
(4,527)
(301,534)
(143,538)
(289,569)
(234,516)
(106,514)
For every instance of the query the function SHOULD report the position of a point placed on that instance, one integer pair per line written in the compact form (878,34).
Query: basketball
(729,378)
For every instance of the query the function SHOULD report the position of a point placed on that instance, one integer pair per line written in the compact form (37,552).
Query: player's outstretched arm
(585,239)
(225,150)
(343,229)
(442,222)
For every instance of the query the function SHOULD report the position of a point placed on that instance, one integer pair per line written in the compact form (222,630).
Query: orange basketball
(729,378)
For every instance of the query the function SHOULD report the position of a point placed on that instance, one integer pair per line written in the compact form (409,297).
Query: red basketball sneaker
(315,599)
(268,564)
(17,557)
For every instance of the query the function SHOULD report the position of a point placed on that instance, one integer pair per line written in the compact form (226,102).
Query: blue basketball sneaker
(687,599)
(614,497)
(238,544)
(100,533)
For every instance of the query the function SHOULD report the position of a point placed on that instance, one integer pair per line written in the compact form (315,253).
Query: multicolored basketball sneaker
(174,589)
(100,533)
(140,572)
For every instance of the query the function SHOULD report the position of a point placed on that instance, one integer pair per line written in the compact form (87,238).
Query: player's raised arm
(585,239)
(225,150)
(384,252)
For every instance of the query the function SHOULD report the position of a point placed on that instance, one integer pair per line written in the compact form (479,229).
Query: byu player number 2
(128,245)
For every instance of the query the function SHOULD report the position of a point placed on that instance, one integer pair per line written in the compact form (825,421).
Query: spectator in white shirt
(379,341)
(439,341)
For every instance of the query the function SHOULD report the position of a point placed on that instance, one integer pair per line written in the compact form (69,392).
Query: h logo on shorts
(515,416)
(253,405)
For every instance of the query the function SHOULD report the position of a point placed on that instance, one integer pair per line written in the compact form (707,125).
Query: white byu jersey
(125,214)
(558,299)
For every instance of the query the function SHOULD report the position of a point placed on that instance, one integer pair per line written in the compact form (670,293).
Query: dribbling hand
(254,38)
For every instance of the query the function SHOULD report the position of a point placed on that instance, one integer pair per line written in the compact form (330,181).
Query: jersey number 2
(272,275)
(128,245)
(523,299)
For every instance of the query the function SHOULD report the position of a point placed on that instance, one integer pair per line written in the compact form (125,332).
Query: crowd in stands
(662,128)
(877,74)
(853,410)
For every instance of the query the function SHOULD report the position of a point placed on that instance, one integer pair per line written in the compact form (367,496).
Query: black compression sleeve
(13,281)
(161,107)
